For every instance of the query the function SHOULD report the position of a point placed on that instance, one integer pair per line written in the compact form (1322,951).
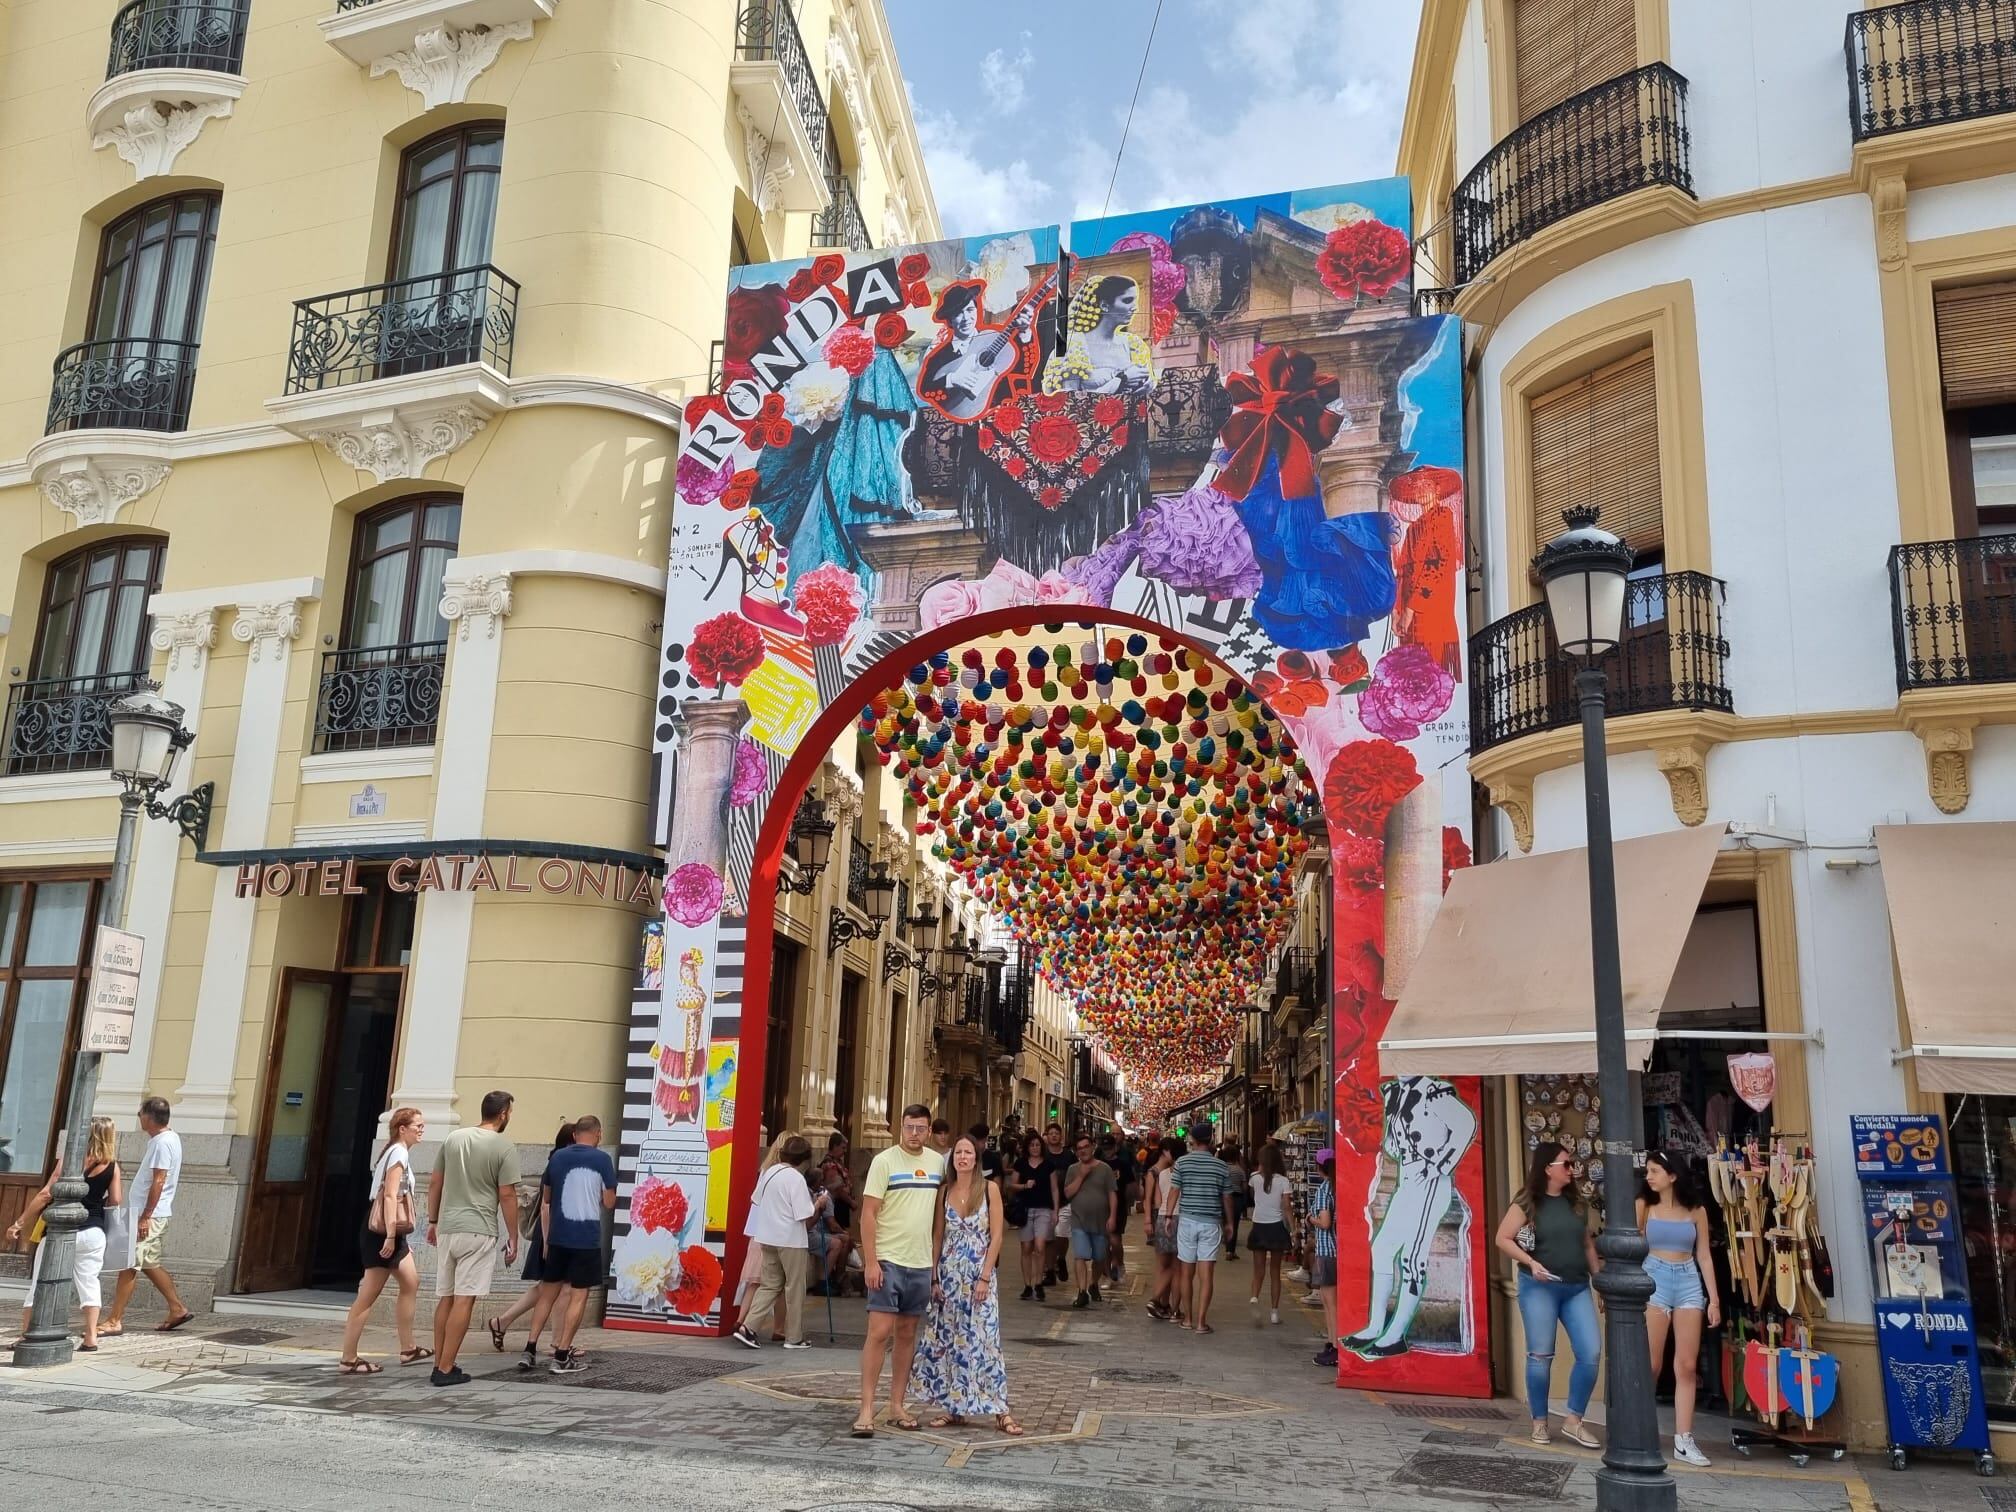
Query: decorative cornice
(1684,765)
(1888,197)
(194,631)
(1513,796)
(92,490)
(768,171)
(442,63)
(151,134)
(484,596)
(840,64)
(401,443)
(277,622)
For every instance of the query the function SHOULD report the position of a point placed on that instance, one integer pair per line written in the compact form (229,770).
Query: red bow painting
(1280,407)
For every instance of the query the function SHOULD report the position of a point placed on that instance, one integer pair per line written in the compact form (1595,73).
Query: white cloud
(1005,78)
(974,197)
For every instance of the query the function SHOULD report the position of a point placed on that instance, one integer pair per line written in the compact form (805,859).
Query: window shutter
(1596,441)
(1562,47)
(1977,343)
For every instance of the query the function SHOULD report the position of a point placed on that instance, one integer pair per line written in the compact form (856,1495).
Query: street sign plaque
(115,991)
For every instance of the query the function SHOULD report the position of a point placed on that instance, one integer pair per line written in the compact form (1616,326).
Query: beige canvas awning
(1952,892)
(1504,984)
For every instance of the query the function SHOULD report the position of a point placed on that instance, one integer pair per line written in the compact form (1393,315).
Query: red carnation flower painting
(891,330)
(726,649)
(658,1205)
(1367,777)
(1051,498)
(699,1282)
(850,349)
(1366,257)
(828,599)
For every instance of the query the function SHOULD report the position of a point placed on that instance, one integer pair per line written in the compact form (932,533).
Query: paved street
(1122,1414)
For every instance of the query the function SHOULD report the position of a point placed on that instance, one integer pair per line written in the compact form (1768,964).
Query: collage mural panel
(1222,419)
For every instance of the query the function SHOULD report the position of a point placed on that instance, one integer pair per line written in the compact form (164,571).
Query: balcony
(1186,410)
(1953,612)
(390,330)
(782,113)
(1930,63)
(170,68)
(376,698)
(58,724)
(1624,135)
(200,34)
(840,223)
(1673,656)
(127,384)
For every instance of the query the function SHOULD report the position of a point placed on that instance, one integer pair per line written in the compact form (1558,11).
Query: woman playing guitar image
(974,367)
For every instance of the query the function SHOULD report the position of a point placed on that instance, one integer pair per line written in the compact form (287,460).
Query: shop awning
(1952,892)
(1504,986)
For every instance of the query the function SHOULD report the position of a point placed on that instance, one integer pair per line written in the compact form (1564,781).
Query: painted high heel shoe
(751,545)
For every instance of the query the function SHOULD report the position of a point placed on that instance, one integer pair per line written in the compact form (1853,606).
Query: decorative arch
(1220,423)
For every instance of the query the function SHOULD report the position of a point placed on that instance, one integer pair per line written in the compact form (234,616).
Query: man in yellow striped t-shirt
(899,1207)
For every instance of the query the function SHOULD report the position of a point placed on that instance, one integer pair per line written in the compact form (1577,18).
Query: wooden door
(286,1165)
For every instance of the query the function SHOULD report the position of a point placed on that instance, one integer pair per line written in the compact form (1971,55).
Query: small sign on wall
(115,991)
(368,804)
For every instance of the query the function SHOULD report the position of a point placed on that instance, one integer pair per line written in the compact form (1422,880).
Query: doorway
(328,1078)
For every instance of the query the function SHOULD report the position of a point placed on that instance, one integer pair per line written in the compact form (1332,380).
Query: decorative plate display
(1532,1141)
(1581,1101)
(1553,1123)
(1561,1097)
(1531,1097)
(1596,1170)
(1595,1102)
(1583,1146)
(1536,1120)
(1594,1125)
(1587,1188)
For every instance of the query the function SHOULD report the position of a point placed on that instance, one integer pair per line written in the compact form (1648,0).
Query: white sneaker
(1273,1317)
(1314,1299)
(1687,1452)
(1298,1274)
(1252,1301)
(798,1344)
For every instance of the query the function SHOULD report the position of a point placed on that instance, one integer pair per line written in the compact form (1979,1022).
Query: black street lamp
(878,897)
(811,842)
(1584,574)
(147,739)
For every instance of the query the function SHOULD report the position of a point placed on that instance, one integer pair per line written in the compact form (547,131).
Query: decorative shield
(1755,1077)
(1760,1380)
(1808,1380)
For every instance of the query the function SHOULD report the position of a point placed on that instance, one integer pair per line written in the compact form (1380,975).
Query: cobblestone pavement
(1121,1412)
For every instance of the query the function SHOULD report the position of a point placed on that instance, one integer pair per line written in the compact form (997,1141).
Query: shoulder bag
(402,1205)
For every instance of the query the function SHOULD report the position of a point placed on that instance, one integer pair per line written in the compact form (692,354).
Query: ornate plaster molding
(275,623)
(92,490)
(1514,798)
(442,62)
(1685,768)
(843,792)
(194,631)
(1888,197)
(1949,749)
(401,443)
(481,597)
(895,224)
(768,171)
(840,63)
(151,134)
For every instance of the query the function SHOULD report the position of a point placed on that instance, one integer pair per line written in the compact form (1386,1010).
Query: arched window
(448,201)
(90,648)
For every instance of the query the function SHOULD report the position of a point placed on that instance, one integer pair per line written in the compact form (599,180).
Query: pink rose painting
(1409,688)
(693,893)
(752,770)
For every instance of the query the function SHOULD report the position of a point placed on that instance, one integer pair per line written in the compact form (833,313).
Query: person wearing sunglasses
(1546,1234)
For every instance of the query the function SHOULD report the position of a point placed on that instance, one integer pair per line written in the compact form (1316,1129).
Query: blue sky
(1020,104)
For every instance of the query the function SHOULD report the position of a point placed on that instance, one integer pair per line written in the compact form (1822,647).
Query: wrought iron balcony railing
(413,326)
(1953,612)
(1626,134)
(134,384)
(857,873)
(765,32)
(203,34)
(1434,301)
(714,359)
(1673,656)
(58,724)
(1186,410)
(840,223)
(379,697)
(1929,62)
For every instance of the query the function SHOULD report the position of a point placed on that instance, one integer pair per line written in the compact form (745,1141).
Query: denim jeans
(1571,1305)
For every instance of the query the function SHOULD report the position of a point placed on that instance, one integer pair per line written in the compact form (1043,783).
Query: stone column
(477,604)
(706,774)
(267,628)
(1413,878)
(909,557)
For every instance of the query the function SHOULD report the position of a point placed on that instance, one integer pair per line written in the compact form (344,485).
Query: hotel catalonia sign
(555,876)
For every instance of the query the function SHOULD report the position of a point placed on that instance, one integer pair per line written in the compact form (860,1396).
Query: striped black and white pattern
(743,823)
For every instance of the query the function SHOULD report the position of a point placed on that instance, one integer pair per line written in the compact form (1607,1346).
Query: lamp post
(1584,573)
(811,841)
(147,738)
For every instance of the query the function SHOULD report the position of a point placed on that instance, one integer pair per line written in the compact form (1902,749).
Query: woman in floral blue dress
(959,1366)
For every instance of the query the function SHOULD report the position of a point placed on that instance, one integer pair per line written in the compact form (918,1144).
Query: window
(1977,380)
(383,686)
(90,648)
(1562,47)
(43,967)
(138,364)
(1597,437)
(448,201)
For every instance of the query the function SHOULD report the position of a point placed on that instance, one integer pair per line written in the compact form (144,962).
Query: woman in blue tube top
(1675,1223)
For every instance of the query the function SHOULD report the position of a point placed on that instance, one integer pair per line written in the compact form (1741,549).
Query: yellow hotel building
(342,350)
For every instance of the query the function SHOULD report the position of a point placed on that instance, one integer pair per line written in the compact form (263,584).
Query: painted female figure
(1102,354)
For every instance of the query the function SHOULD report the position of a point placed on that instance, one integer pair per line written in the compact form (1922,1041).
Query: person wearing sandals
(1545,1232)
(1675,1225)
(101,1186)
(535,1299)
(959,1367)
(384,1249)
(898,1208)
(1159,1204)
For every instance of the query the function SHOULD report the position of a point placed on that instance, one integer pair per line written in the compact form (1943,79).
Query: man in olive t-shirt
(475,1178)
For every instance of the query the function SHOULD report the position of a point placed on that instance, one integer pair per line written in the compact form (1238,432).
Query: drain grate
(1450,1438)
(246,1336)
(1121,1376)
(1495,1476)
(1999,1498)
(1455,1410)
(640,1373)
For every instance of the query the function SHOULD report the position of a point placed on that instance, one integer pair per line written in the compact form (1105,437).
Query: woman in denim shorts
(1675,1224)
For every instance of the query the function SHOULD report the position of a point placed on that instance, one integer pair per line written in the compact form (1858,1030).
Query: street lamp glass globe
(1584,573)
(811,836)
(953,958)
(147,736)
(881,892)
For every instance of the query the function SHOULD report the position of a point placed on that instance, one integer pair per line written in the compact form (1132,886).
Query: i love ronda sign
(1219,427)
